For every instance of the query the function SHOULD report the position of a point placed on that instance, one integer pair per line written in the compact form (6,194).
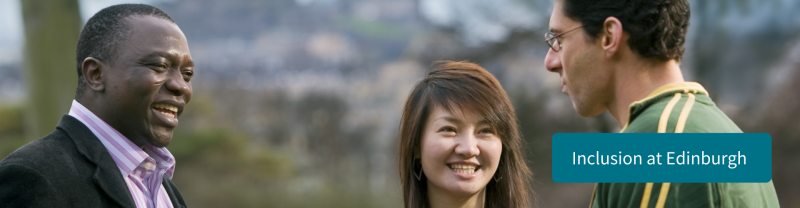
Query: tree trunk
(51,36)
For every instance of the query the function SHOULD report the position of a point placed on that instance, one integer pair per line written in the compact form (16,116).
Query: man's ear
(611,36)
(94,72)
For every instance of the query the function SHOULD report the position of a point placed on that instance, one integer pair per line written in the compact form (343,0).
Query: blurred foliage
(11,129)
(220,165)
(779,115)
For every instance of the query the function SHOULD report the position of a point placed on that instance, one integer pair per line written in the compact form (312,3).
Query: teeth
(168,114)
(168,107)
(463,168)
(171,108)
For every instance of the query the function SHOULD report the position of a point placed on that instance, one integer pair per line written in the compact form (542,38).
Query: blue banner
(662,157)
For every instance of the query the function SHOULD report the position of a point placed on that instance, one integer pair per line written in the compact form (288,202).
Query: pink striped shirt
(142,168)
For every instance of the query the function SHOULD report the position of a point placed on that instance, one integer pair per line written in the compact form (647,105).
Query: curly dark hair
(105,31)
(657,28)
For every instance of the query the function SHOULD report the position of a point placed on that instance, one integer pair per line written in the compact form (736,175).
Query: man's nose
(177,85)
(552,61)
(467,145)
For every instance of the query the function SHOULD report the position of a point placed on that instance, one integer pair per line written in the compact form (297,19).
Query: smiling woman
(459,143)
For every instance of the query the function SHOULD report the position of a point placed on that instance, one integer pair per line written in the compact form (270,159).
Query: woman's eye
(486,131)
(447,129)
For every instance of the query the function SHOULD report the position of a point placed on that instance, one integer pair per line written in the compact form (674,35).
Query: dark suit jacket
(69,167)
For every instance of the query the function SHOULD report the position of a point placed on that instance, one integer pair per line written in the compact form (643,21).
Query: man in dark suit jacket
(134,73)
(67,168)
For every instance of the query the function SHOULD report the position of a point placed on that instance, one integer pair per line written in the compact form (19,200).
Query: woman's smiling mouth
(463,168)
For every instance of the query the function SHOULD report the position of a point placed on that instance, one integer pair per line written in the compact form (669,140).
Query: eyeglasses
(552,39)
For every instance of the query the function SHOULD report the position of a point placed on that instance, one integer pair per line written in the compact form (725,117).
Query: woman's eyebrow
(450,119)
(457,121)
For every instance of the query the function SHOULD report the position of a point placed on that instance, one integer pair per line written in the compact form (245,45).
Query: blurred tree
(51,35)
(732,44)
(322,113)
(779,117)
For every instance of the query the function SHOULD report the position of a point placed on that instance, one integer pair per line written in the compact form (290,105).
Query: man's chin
(160,139)
(586,111)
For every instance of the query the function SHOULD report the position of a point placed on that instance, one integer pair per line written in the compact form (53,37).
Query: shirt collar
(126,155)
(678,86)
(687,87)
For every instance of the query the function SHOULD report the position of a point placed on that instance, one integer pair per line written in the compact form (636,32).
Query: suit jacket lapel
(172,191)
(107,175)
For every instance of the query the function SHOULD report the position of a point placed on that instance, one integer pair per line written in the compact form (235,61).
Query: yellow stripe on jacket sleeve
(662,128)
(662,196)
(662,122)
(648,188)
(687,108)
(679,127)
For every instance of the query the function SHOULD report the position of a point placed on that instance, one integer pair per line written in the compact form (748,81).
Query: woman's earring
(497,179)
(418,175)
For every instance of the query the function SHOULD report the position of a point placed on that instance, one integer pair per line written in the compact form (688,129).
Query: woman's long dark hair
(469,87)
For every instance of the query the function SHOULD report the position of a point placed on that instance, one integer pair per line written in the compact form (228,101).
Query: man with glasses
(623,56)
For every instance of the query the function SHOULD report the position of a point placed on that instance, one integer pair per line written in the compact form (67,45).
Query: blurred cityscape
(297,102)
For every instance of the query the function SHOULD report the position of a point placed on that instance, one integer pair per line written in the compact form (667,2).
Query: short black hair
(657,28)
(103,33)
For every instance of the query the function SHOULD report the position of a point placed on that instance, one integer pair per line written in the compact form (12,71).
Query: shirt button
(148,166)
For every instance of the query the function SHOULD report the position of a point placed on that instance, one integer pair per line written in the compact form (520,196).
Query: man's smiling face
(149,82)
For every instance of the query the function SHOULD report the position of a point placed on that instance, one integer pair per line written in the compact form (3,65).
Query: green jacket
(681,108)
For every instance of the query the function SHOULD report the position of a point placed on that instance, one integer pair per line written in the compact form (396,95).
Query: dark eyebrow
(169,56)
(459,121)
(162,54)
(451,119)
